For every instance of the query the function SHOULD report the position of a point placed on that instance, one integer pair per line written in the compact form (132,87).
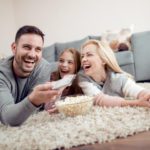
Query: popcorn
(73,106)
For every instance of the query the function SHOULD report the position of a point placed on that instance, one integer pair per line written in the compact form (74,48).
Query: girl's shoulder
(83,77)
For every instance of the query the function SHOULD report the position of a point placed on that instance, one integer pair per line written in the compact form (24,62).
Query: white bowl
(74,105)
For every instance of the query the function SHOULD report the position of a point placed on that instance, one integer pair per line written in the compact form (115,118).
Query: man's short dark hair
(27,29)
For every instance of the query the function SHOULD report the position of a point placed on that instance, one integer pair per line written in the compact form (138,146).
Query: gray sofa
(135,62)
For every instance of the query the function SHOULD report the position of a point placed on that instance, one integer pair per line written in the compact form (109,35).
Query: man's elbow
(11,122)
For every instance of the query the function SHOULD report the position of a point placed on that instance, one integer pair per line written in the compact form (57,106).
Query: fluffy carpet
(44,132)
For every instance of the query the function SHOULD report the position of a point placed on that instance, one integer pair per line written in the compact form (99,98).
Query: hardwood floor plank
(140,141)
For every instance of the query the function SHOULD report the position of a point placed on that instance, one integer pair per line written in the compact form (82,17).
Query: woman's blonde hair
(107,55)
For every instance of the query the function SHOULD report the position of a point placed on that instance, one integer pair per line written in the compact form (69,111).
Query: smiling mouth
(86,67)
(29,62)
(64,71)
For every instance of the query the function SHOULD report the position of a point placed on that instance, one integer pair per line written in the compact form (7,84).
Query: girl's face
(91,63)
(66,64)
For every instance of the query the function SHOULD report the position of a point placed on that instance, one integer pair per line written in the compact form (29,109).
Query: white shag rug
(44,132)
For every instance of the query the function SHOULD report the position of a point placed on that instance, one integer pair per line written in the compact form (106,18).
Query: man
(23,78)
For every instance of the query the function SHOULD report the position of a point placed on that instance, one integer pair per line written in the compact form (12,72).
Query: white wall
(66,20)
(7,26)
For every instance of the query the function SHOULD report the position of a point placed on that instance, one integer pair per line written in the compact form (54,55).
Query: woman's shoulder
(118,77)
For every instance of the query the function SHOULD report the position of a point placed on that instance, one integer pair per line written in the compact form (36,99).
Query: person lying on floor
(23,85)
(68,64)
(106,81)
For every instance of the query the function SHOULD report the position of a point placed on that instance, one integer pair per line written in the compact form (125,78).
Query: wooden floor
(140,141)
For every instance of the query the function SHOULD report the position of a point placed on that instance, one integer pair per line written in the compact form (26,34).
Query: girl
(68,63)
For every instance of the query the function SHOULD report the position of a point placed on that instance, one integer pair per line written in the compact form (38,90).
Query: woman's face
(66,64)
(90,61)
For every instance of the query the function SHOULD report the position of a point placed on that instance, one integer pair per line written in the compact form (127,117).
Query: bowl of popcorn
(74,105)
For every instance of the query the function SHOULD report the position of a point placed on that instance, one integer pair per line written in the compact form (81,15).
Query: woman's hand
(144,94)
(143,103)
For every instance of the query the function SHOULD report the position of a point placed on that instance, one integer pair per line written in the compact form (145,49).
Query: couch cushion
(124,58)
(126,61)
(49,53)
(73,44)
(141,53)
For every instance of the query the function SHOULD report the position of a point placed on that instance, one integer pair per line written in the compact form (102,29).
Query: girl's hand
(52,110)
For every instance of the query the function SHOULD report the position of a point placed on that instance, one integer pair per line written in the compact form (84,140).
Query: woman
(68,63)
(103,78)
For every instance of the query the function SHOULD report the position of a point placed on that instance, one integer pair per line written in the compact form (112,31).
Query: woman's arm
(132,89)
(111,101)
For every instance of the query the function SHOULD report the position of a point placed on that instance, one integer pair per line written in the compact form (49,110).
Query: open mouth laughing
(64,72)
(86,67)
(29,62)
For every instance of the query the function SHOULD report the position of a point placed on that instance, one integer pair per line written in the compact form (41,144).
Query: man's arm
(16,114)
(13,113)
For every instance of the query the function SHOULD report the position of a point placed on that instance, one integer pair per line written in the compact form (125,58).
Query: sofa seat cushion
(73,44)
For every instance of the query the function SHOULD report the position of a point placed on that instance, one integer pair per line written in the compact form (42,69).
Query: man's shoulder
(6,63)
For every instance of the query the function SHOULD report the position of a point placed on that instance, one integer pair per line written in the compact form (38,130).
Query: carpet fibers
(44,132)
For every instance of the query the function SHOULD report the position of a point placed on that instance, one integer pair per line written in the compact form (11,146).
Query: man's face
(27,53)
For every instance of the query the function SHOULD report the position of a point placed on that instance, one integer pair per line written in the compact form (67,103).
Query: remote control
(64,82)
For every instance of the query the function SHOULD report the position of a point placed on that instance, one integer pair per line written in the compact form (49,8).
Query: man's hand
(43,93)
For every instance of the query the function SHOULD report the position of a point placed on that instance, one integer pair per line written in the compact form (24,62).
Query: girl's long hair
(76,56)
